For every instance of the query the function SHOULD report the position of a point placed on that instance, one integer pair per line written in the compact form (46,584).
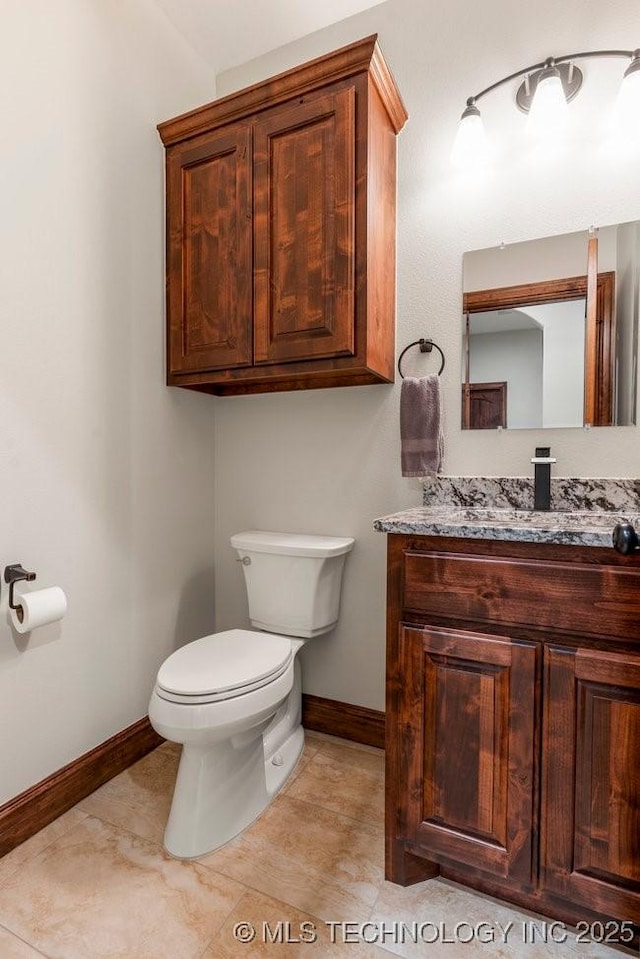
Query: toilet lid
(225,663)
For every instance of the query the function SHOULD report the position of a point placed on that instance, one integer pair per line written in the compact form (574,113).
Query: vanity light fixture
(544,93)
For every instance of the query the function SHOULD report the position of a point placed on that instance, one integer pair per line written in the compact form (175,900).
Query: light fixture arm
(550,61)
(544,92)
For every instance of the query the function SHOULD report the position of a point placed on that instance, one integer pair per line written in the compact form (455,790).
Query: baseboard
(35,808)
(32,810)
(357,723)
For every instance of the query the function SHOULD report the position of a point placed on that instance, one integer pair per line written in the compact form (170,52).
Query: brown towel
(421,436)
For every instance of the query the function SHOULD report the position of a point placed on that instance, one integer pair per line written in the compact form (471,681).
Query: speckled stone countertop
(586,528)
(584,514)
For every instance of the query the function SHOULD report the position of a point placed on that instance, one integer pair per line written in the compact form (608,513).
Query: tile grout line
(44,848)
(361,748)
(260,892)
(245,890)
(216,871)
(371,914)
(25,941)
(125,829)
(129,832)
(308,802)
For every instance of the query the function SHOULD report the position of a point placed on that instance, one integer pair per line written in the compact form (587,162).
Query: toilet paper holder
(16,574)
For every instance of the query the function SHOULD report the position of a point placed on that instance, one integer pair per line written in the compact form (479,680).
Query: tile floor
(96,884)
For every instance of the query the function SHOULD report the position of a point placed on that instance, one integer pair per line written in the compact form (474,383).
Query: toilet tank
(293,580)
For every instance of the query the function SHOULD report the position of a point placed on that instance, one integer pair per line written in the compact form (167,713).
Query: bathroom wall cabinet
(281,230)
(513,723)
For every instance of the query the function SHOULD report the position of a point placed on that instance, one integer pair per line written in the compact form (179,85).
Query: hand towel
(421,434)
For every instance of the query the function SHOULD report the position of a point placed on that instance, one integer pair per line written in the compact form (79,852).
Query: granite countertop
(570,528)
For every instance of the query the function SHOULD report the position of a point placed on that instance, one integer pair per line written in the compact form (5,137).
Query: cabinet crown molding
(357,57)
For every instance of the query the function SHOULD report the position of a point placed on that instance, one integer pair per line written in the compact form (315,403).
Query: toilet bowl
(233,699)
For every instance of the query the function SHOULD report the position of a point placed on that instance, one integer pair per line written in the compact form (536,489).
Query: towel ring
(426,346)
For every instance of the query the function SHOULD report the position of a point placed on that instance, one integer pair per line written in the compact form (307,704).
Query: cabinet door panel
(591,780)
(469,722)
(304,195)
(209,250)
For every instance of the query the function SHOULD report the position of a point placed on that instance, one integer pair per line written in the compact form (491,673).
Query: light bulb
(627,107)
(470,146)
(548,113)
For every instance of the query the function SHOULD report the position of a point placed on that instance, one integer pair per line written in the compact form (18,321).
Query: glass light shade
(470,146)
(627,106)
(549,111)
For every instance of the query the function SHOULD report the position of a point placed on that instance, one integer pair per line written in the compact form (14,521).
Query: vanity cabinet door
(590,815)
(467,723)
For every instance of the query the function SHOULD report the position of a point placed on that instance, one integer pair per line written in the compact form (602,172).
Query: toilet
(233,699)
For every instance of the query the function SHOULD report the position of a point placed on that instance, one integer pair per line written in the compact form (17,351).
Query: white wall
(514,356)
(328,460)
(106,476)
(627,316)
(563,365)
(533,261)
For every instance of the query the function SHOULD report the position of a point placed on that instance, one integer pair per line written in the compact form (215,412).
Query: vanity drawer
(576,597)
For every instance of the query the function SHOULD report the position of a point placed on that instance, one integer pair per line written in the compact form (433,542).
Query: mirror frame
(599,334)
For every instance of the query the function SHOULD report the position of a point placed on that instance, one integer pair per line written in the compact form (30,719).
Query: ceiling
(502,321)
(227,34)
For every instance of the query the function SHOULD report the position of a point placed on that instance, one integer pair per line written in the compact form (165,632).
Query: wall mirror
(550,331)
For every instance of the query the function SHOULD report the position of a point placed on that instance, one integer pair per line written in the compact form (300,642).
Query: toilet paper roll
(38,608)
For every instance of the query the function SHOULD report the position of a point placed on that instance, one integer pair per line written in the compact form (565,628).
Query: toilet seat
(223,666)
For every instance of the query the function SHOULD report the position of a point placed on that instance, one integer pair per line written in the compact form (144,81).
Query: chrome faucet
(542,477)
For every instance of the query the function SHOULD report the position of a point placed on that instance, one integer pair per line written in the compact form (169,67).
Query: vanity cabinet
(281,230)
(513,722)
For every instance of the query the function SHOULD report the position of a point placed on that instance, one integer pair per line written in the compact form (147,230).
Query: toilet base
(212,802)
(279,767)
(223,787)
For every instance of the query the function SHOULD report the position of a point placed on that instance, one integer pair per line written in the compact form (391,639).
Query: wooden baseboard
(35,808)
(357,723)
(32,810)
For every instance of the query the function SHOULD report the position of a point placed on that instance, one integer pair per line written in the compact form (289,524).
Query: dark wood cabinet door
(209,238)
(304,202)
(467,723)
(590,814)
(484,406)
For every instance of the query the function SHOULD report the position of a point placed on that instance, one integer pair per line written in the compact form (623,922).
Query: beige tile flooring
(96,883)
